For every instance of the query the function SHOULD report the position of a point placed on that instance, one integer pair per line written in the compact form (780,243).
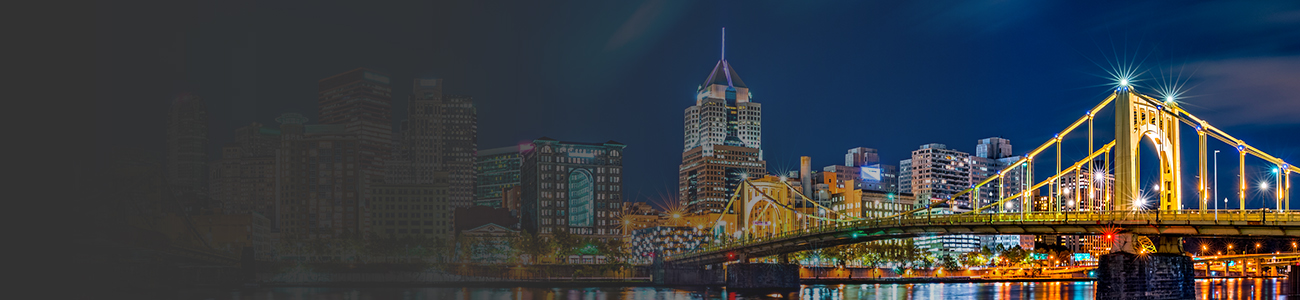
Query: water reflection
(1205,290)
(1239,288)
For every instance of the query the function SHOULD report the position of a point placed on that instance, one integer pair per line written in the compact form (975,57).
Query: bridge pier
(762,276)
(1126,275)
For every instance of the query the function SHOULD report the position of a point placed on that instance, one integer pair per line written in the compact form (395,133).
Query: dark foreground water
(1206,289)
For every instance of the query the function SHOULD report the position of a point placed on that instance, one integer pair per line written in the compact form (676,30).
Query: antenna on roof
(724,43)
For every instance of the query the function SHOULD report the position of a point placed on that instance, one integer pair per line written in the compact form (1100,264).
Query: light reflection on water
(1205,289)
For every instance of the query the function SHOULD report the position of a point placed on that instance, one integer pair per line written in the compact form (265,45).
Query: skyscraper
(360,101)
(724,115)
(187,144)
(441,135)
(937,172)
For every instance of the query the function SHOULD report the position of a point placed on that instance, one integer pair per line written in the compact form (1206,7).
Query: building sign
(1083,257)
(581,200)
(428,82)
(870,173)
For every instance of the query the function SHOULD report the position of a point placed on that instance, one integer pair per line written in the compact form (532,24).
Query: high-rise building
(573,187)
(187,144)
(863,168)
(861,157)
(243,180)
(938,173)
(441,135)
(498,172)
(361,101)
(707,182)
(320,182)
(993,148)
(723,119)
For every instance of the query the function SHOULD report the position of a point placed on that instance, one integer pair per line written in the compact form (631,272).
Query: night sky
(830,75)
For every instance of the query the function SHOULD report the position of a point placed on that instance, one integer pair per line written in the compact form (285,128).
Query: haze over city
(654,143)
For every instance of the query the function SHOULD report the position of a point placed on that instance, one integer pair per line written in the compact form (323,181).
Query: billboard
(870,173)
(581,201)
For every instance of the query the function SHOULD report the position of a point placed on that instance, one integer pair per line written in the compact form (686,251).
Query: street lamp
(1216,186)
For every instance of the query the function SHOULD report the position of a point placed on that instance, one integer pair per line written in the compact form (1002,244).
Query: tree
(950,264)
(972,259)
(1015,255)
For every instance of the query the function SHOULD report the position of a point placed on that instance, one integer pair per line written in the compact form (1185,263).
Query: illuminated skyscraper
(723,115)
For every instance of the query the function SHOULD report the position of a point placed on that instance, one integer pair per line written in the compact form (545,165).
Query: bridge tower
(1135,120)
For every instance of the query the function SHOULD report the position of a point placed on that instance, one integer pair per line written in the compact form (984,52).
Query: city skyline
(284,84)
(258,146)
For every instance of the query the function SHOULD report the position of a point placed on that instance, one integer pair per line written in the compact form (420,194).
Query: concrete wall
(763,276)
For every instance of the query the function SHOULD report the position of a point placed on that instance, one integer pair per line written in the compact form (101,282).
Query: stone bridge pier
(735,275)
(1130,274)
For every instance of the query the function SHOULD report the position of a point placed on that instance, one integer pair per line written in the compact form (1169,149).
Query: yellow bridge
(775,218)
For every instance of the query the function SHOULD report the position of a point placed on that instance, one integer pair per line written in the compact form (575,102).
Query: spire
(724,43)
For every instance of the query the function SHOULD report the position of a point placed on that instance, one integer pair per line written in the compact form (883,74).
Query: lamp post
(1216,185)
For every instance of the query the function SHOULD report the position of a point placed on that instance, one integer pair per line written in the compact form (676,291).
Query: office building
(243,180)
(360,101)
(187,145)
(707,182)
(498,172)
(723,141)
(320,181)
(411,210)
(573,187)
(441,136)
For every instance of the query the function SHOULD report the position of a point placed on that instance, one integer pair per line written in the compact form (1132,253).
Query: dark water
(1223,289)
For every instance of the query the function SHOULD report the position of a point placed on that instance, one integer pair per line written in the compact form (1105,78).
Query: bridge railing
(1117,217)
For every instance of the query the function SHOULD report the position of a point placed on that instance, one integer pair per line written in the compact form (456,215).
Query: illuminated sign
(376,77)
(581,200)
(870,173)
(1083,257)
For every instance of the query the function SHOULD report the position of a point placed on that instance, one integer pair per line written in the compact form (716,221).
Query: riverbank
(938,280)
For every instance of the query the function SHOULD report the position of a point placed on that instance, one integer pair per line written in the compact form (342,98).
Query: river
(1206,289)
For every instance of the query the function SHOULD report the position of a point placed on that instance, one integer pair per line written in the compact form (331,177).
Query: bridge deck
(1177,223)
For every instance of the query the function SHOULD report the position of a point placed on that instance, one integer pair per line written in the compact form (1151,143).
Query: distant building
(707,182)
(639,215)
(938,173)
(474,216)
(862,167)
(320,183)
(488,244)
(412,210)
(574,187)
(950,244)
(498,172)
(187,145)
(244,179)
(861,157)
(360,101)
(441,135)
(723,141)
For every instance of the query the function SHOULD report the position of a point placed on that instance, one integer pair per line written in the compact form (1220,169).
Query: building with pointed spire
(723,140)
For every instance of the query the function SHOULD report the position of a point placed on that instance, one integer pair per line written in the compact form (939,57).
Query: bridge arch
(1138,117)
